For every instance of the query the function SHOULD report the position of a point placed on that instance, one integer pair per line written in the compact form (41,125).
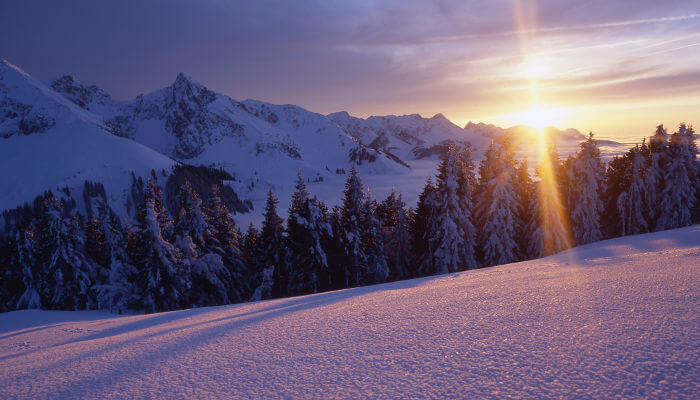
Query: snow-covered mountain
(409,137)
(262,145)
(487,130)
(47,142)
(63,132)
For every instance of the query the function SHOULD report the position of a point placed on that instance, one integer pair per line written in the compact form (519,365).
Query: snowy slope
(47,142)
(615,319)
(262,145)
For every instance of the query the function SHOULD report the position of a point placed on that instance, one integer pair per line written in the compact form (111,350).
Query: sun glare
(537,117)
(534,68)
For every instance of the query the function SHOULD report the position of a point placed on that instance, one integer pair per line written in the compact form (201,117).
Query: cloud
(463,58)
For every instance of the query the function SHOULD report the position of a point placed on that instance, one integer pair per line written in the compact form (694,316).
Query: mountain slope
(410,137)
(612,319)
(262,145)
(47,142)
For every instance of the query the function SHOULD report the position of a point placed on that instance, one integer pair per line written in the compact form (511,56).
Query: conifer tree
(58,276)
(396,227)
(548,233)
(525,197)
(32,272)
(337,262)
(376,269)
(122,290)
(202,251)
(10,272)
(97,248)
(164,282)
(616,182)
(272,251)
(586,186)
(261,280)
(224,240)
(631,201)
(655,177)
(678,194)
(423,232)
(497,206)
(354,259)
(306,256)
(455,235)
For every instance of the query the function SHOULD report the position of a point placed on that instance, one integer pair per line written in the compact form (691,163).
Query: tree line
(54,257)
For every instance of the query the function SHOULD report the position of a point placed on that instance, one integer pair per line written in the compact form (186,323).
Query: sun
(537,117)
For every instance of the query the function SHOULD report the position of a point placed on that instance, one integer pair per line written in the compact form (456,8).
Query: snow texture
(613,319)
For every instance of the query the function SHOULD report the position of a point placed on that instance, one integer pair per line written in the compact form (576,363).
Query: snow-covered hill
(614,319)
(47,142)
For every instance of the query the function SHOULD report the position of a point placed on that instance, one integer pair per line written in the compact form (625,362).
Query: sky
(618,68)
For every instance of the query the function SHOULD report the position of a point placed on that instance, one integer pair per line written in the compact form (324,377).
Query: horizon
(607,68)
(524,123)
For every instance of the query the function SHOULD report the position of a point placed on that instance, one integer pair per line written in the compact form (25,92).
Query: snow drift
(616,318)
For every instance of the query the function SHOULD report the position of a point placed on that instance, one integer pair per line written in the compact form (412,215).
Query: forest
(184,249)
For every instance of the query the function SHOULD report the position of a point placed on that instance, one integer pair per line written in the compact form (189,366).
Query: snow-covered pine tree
(337,262)
(306,256)
(655,177)
(354,259)
(423,232)
(548,230)
(273,250)
(10,271)
(678,195)
(396,227)
(224,240)
(202,253)
(376,269)
(566,191)
(164,282)
(525,197)
(122,291)
(496,211)
(259,280)
(455,234)
(62,275)
(97,249)
(695,212)
(31,271)
(586,186)
(616,182)
(631,202)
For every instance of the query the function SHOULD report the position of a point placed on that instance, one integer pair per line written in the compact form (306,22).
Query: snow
(74,149)
(262,145)
(613,319)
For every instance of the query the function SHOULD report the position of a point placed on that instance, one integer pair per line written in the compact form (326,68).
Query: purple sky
(616,67)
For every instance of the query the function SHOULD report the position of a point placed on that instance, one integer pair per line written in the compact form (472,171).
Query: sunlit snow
(617,318)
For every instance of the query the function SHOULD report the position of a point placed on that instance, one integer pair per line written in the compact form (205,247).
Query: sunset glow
(537,117)
(623,66)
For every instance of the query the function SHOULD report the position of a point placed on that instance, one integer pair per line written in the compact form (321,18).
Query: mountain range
(60,133)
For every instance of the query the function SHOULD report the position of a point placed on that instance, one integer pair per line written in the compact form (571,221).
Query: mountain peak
(82,95)
(184,79)
(439,117)
(65,80)
(185,87)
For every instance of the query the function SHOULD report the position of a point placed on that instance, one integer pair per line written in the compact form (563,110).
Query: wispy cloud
(466,58)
